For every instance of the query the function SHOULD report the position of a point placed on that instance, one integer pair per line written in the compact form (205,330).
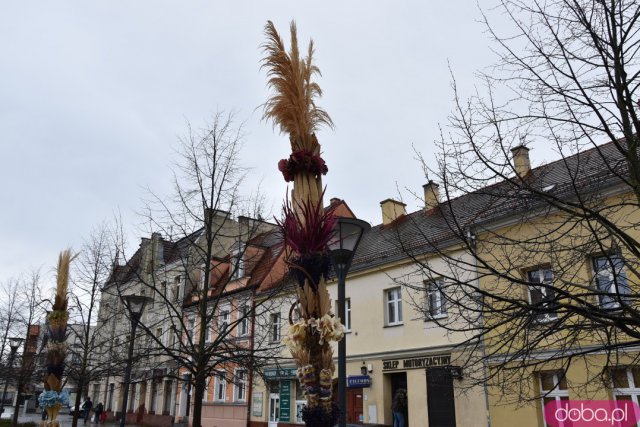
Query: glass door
(274,409)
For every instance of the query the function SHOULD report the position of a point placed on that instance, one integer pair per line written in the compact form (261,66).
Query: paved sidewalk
(65,421)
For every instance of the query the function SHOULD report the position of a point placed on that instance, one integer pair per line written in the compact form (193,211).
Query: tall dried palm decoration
(306,226)
(292,108)
(53,398)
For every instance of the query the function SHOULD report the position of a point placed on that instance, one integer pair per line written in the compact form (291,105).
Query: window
(611,280)
(394,307)
(347,313)
(223,318)
(238,262)
(159,335)
(191,328)
(163,289)
(553,386)
(243,326)
(626,383)
(275,327)
(220,387)
(436,303)
(542,298)
(240,387)
(176,288)
(202,275)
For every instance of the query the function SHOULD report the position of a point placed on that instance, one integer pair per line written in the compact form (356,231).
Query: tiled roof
(585,173)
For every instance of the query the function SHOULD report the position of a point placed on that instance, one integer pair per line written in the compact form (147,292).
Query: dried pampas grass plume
(291,106)
(62,279)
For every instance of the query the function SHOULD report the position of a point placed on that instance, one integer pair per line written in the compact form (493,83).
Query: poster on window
(257,404)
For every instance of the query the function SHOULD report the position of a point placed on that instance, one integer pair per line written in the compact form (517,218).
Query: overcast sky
(93,96)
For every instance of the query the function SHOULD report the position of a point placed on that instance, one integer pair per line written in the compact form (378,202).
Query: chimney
(431,195)
(392,210)
(521,162)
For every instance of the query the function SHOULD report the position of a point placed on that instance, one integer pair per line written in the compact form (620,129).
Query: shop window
(436,303)
(610,280)
(393,307)
(626,383)
(553,387)
(541,294)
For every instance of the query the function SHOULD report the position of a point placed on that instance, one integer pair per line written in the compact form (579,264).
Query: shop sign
(357,381)
(416,362)
(282,373)
(285,401)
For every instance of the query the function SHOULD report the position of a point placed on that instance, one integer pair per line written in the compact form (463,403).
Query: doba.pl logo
(591,413)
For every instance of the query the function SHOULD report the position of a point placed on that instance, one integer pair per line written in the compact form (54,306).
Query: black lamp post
(14,344)
(135,305)
(342,247)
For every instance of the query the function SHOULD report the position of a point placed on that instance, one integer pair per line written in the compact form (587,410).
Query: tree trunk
(74,423)
(197,399)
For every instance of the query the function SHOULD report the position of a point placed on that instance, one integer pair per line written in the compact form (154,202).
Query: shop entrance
(274,409)
(354,406)
(440,400)
(398,382)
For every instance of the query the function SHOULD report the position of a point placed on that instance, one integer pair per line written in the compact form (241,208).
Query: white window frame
(556,393)
(237,257)
(202,275)
(393,302)
(191,328)
(616,280)
(220,385)
(435,291)
(544,290)
(633,390)
(226,319)
(347,315)
(274,332)
(243,313)
(240,385)
(205,397)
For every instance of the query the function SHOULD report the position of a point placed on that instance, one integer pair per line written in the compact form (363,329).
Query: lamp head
(14,343)
(345,240)
(135,304)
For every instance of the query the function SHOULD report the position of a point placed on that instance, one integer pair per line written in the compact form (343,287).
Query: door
(354,406)
(399,382)
(274,409)
(440,401)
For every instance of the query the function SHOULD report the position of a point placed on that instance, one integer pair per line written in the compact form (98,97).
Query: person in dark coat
(399,408)
(87,406)
(99,409)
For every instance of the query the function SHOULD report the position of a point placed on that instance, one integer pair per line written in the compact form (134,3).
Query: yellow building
(556,256)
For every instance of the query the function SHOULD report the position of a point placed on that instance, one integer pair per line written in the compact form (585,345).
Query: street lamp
(342,247)
(135,305)
(14,344)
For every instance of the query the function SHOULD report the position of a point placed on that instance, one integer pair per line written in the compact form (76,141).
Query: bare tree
(554,250)
(92,269)
(195,267)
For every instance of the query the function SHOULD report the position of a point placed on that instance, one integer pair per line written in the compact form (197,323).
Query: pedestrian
(86,406)
(99,409)
(399,408)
